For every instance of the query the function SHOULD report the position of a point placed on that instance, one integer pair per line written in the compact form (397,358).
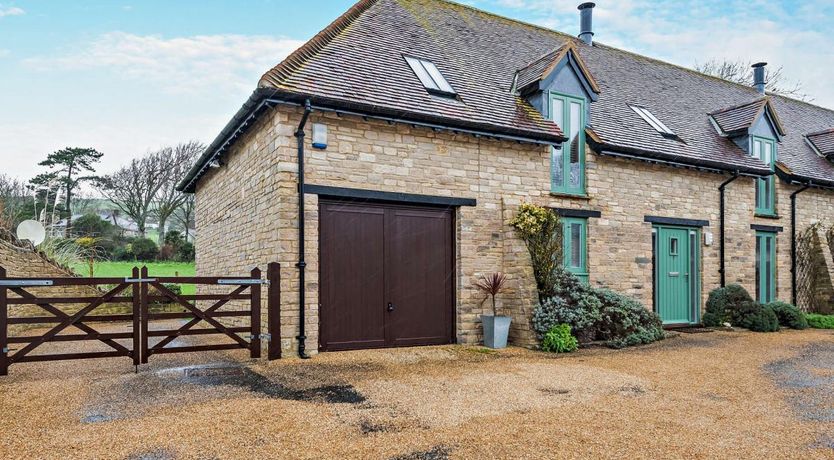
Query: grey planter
(496,330)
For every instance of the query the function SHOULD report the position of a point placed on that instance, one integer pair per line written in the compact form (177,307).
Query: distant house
(424,124)
(127,227)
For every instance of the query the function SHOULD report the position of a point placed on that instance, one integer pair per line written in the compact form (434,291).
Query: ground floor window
(575,234)
(765,267)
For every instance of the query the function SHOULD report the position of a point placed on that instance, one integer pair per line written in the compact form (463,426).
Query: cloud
(181,65)
(686,32)
(11,11)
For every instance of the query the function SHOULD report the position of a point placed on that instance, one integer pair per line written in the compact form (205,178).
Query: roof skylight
(430,76)
(654,122)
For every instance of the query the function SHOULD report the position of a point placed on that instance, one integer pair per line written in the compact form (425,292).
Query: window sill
(767,216)
(582,196)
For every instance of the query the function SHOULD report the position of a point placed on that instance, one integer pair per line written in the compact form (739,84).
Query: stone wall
(22,262)
(247,211)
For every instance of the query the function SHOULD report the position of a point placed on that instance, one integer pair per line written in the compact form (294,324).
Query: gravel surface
(715,395)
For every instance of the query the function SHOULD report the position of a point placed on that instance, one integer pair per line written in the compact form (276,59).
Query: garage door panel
(352,277)
(418,276)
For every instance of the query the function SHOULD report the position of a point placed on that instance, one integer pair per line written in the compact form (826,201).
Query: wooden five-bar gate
(137,294)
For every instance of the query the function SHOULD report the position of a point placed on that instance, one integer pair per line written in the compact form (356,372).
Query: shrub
(817,321)
(144,249)
(541,230)
(756,317)
(722,302)
(788,315)
(185,253)
(626,322)
(596,314)
(166,252)
(123,253)
(559,340)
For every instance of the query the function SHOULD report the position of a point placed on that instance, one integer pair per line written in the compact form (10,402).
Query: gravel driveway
(710,395)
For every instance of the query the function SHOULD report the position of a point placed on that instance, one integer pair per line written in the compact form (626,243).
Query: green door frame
(765,266)
(684,255)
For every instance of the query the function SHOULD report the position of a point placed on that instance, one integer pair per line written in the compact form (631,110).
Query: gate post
(137,319)
(255,320)
(143,297)
(273,275)
(4,328)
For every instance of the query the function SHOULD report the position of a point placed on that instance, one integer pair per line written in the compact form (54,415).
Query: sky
(128,77)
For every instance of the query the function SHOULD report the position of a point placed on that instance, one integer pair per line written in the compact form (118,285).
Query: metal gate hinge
(18,283)
(140,280)
(266,337)
(243,281)
(5,349)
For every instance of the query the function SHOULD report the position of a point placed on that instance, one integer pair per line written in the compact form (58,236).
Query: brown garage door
(386,276)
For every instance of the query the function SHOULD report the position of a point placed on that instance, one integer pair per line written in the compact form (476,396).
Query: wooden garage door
(386,276)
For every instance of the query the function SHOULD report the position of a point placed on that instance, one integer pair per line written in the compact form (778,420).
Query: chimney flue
(586,28)
(759,77)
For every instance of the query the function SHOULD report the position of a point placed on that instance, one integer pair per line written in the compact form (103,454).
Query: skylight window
(430,76)
(654,122)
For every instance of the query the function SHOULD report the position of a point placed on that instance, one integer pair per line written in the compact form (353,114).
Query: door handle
(674,273)
(390,306)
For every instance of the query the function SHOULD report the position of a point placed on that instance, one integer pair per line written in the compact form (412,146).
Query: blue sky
(127,77)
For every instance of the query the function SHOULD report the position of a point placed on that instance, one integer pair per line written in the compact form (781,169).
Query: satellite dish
(31,230)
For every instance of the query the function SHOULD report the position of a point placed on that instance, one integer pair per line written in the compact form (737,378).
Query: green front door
(676,274)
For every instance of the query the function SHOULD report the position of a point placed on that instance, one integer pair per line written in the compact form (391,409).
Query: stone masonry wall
(247,211)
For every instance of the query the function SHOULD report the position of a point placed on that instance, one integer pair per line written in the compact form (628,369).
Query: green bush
(144,249)
(820,321)
(185,253)
(788,315)
(596,314)
(559,340)
(756,317)
(722,302)
(626,322)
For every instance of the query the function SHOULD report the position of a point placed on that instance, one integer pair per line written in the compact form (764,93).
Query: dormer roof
(738,119)
(822,142)
(542,67)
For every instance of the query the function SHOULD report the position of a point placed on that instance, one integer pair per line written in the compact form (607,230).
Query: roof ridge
(819,133)
(297,58)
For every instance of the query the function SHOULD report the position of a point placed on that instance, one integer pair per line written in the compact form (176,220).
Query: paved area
(708,395)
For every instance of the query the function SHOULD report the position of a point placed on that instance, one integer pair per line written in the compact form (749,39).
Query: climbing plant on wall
(540,228)
(815,292)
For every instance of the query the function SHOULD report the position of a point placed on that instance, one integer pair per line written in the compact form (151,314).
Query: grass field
(120,269)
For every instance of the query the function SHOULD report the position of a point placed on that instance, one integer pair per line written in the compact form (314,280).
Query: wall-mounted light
(215,164)
(319,136)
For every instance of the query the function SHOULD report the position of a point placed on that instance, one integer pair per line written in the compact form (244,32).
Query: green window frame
(765,150)
(567,163)
(575,246)
(765,266)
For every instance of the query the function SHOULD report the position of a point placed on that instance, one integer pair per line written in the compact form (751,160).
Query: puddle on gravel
(808,377)
(247,379)
(435,453)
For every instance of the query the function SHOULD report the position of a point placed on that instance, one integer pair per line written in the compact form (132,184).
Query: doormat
(694,330)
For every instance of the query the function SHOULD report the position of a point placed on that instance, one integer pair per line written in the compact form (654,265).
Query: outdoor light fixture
(319,136)
(214,164)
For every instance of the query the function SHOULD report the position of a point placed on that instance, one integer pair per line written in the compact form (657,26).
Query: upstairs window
(653,121)
(567,163)
(430,77)
(765,149)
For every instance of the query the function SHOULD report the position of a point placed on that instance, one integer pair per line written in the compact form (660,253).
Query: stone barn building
(424,124)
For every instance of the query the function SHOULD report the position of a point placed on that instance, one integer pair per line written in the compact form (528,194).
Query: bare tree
(184,216)
(134,187)
(177,162)
(741,71)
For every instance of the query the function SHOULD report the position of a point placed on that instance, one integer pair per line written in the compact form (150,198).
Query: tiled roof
(823,142)
(740,118)
(358,61)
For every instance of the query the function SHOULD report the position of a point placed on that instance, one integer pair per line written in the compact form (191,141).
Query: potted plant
(496,328)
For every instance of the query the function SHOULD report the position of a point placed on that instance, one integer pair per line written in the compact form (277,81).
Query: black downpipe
(302,264)
(793,241)
(721,189)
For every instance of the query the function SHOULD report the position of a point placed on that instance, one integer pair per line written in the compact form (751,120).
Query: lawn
(120,269)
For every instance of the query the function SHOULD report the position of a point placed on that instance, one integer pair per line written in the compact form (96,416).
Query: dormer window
(567,163)
(430,77)
(653,121)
